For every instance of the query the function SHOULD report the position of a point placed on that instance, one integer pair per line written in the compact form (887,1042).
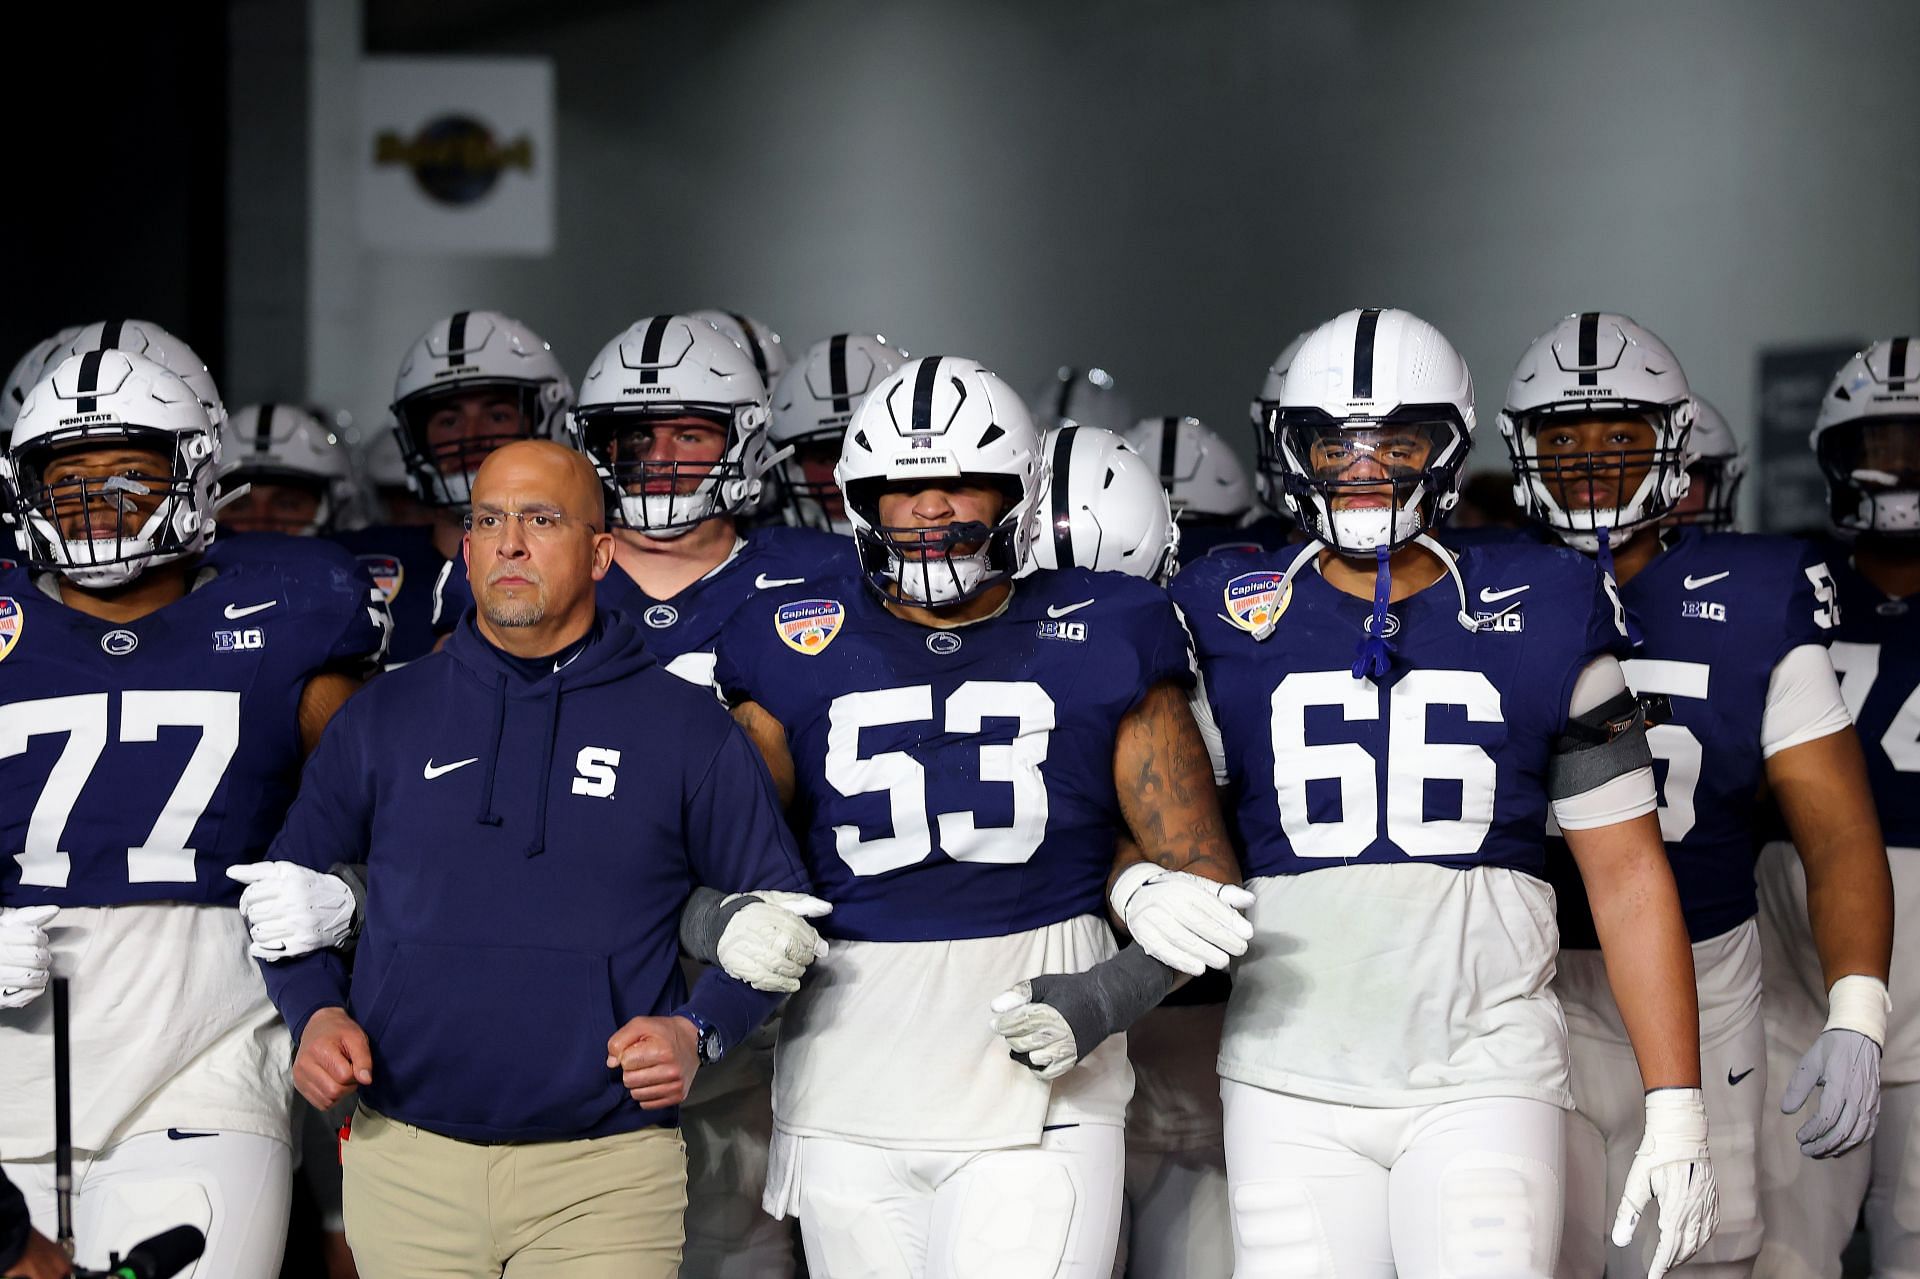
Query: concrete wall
(1173,188)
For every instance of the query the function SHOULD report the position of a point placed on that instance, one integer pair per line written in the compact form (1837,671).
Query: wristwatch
(709,1047)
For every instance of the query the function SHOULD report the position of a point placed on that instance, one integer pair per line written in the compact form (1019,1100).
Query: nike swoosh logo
(765,583)
(235,612)
(433,770)
(1061,610)
(1693,583)
(1490,596)
(174,1134)
(1733,1079)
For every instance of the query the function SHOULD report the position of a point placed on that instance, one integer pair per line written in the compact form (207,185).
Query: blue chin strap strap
(1374,657)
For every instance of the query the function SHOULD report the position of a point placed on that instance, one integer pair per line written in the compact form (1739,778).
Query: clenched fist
(334,1059)
(656,1058)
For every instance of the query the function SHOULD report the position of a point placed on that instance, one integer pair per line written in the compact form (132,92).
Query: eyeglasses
(541,523)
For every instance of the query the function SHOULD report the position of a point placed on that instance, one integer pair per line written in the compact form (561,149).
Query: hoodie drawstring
(487,816)
(538,844)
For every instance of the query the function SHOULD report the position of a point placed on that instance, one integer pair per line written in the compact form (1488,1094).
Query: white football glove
(1186,922)
(768,943)
(292,911)
(1037,1033)
(1673,1167)
(26,963)
(1845,1062)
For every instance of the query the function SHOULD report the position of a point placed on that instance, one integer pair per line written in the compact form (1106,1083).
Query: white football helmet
(1087,396)
(27,370)
(812,404)
(102,399)
(1266,462)
(1715,466)
(1202,476)
(1867,438)
(663,368)
(286,444)
(144,337)
(940,418)
(1102,507)
(750,335)
(1598,365)
(473,351)
(1376,403)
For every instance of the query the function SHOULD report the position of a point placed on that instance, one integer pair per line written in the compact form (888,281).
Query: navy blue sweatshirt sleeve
(328,822)
(738,840)
(14,1223)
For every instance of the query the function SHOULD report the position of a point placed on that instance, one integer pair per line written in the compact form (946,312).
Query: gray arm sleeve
(706,916)
(1106,998)
(1598,745)
(354,876)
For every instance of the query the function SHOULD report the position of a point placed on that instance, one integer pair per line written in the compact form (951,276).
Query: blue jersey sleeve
(452,595)
(365,627)
(1606,629)
(1812,604)
(1170,652)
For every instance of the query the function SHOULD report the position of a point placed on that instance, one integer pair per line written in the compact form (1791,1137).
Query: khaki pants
(418,1204)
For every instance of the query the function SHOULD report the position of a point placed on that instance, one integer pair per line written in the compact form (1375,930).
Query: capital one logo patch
(593,771)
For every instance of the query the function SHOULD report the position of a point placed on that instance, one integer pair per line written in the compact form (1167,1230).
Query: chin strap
(1374,657)
(1313,548)
(1604,554)
(1465,617)
(1307,552)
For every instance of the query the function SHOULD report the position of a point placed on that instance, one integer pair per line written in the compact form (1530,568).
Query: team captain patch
(1254,599)
(808,626)
(11,620)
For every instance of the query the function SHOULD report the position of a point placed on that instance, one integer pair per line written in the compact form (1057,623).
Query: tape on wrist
(1860,1003)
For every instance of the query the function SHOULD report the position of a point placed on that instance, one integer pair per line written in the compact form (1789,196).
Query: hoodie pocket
(509,1040)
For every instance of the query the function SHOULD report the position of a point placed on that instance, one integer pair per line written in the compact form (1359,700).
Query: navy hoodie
(530,841)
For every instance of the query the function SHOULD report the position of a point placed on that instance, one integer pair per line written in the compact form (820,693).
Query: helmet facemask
(665,499)
(1358,485)
(442,470)
(925,566)
(102,532)
(1580,493)
(1716,481)
(809,502)
(1872,467)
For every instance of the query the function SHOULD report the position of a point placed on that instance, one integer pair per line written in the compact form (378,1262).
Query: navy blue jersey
(955,783)
(1876,649)
(1443,759)
(681,631)
(404,564)
(1716,613)
(1267,533)
(141,759)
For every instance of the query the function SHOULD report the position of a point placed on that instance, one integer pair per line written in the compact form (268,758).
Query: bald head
(540,472)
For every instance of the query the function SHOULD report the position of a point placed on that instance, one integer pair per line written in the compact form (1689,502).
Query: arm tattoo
(1165,781)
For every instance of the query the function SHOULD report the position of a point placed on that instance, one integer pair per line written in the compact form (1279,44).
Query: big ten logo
(1074,631)
(239,641)
(1711,610)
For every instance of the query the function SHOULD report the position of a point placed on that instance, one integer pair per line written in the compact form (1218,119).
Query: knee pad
(1013,1220)
(1498,1215)
(852,1238)
(1277,1231)
(123,1214)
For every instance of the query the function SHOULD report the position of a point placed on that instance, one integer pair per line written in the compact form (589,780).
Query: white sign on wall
(456,155)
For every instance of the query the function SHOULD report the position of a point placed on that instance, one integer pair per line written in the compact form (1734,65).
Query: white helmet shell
(1266,462)
(284,443)
(812,404)
(1358,377)
(1867,440)
(1088,396)
(672,366)
(27,370)
(144,337)
(940,417)
(759,341)
(473,351)
(107,397)
(1598,362)
(1202,475)
(1102,508)
(1716,465)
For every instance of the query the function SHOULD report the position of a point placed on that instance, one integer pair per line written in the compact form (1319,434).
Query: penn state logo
(1254,600)
(11,620)
(1388,630)
(943,643)
(387,573)
(808,626)
(119,643)
(661,616)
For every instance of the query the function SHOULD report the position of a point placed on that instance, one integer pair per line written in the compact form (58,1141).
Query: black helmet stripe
(753,344)
(923,384)
(1363,333)
(1897,365)
(457,337)
(837,373)
(1061,480)
(650,343)
(110,334)
(1169,448)
(1589,354)
(89,382)
(263,430)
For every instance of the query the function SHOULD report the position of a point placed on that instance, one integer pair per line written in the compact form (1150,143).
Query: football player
(1394,1064)
(27,371)
(1101,507)
(297,476)
(156,700)
(961,752)
(812,403)
(761,343)
(1714,474)
(1212,497)
(472,382)
(1731,653)
(1867,439)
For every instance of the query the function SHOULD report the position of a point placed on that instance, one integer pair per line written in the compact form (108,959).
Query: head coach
(535,804)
